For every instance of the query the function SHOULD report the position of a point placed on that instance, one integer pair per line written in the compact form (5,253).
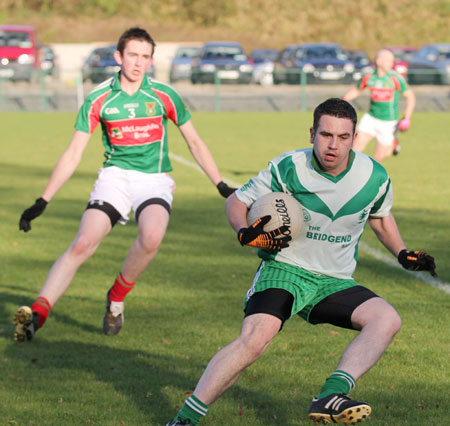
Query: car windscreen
(108,54)
(187,52)
(265,55)
(224,52)
(323,53)
(15,39)
(403,55)
(444,53)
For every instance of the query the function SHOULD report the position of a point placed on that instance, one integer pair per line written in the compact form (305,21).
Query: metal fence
(45,93)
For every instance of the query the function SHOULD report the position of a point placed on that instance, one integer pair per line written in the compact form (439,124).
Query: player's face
(135,60)
(332,142)
(385,61)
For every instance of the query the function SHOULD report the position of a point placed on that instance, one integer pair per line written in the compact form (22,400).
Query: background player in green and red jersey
(381,122)
(133,111)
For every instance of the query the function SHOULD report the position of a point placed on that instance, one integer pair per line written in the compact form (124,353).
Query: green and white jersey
(335,208)
(384,94)
(134,127)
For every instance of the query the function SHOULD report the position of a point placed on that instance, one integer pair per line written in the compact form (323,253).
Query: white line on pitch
(424,276)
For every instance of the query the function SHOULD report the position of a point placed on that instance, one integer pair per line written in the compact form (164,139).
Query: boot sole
(349,416)
(22,319)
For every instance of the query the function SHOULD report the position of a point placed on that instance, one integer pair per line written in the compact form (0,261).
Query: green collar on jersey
(315,163)
(115,83)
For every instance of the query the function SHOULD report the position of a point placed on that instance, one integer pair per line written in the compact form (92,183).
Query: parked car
(263,65)
(283,64)
(360,61)
(402,55)
(180,68)
(224,60)
(19,52)
(321,63)
(430,65)
(47,61)
(100,65)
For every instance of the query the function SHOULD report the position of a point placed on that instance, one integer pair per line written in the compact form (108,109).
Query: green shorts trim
(307,288)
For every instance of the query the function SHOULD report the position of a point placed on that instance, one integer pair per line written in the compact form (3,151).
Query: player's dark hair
(336,108)
(134,33)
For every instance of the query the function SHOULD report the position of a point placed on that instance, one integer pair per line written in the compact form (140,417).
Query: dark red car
(19,52)
(402,55)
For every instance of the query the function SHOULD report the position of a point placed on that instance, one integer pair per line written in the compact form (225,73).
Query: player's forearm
(410,103)
(205,160)
(387,232)
(236,212)
(351,94)
(66,165)
(64,169)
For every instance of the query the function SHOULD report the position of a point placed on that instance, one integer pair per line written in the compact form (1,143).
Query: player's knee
(150,240)
(395,322)
(83,246)
(390,322)
(254,345)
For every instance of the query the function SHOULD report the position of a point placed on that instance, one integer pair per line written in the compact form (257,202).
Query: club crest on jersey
(150,108)
(363,216)
(306,216)
(116,133)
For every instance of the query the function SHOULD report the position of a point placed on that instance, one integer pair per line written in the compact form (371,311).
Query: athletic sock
(120,289)
(338,382)
(43,308)
(192,411)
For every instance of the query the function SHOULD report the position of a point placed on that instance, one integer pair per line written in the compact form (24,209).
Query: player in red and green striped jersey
(381,122)
(133,111)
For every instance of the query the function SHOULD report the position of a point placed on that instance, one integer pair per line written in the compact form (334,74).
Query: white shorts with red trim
(382,130)
(126,190)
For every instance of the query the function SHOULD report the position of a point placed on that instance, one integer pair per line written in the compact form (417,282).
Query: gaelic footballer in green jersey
(382,121)
(134,128)
(133,111)
(311,275)
(335,208)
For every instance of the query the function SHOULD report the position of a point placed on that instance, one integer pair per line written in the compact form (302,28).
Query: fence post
(44,95)
(80,91)
(217,92)
(302,90)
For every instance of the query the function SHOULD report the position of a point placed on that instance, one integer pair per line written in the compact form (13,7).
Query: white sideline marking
(195,166)
(424,276)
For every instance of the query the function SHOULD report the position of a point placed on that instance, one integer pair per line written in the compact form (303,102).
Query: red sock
(120,289)
(43,308)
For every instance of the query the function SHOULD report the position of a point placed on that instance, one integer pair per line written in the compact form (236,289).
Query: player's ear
(311,134)
(118,57)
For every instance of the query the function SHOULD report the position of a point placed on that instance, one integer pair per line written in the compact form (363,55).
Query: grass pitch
(188,303)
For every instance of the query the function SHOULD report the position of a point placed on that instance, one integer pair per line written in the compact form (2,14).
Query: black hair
(335,107)
(134,33)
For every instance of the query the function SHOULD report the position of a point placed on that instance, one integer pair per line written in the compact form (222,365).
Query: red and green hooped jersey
(384,94)
(134,127)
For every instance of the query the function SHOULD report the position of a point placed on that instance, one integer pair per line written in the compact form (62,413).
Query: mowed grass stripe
(188,303)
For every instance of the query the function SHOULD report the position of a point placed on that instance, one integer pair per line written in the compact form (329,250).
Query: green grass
(188,303)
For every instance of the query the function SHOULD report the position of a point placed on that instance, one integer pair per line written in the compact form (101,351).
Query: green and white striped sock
(338,382)
(193,410)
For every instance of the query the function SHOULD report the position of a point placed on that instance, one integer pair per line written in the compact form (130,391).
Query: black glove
(224,189)
(32,213)
(417,261)
(255,236)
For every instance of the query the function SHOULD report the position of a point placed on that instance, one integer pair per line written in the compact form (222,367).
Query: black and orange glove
(224,190)
(32,213)
(255,236)
(417,261)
